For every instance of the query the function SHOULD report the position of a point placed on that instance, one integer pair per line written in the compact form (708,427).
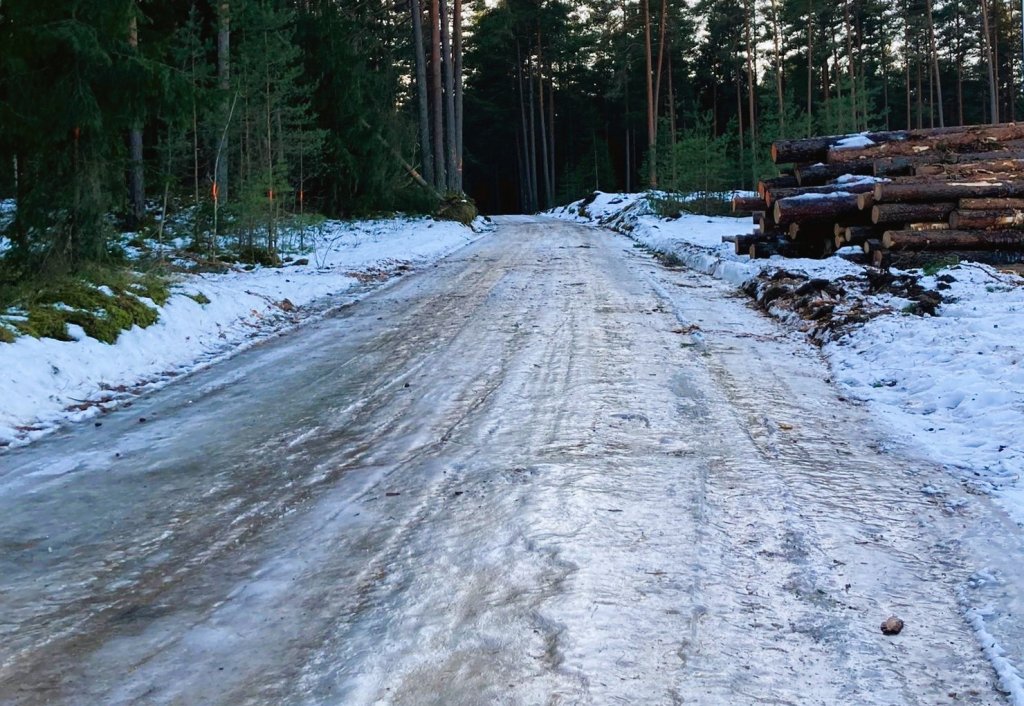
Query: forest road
(548,470)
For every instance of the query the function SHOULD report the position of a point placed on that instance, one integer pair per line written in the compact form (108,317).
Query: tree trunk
(751,88)
(741,143)
(778,68)
(528,189)
(449,100)
(851,73)
(551,130)
(137,188)
(990,62)
(672,124)
(457,59)
(935,64)
(437,90)
(542,119)
(661,61)
(221,173)
(421,90)
(534,181)
(652,162)
(810,64)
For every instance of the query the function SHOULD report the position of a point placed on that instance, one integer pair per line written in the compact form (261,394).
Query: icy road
(548,470)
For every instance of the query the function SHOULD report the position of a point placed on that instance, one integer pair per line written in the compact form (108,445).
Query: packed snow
(852,142)
(45,382)
(951,386)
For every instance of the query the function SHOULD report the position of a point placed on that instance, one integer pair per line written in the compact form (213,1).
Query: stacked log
(955,188)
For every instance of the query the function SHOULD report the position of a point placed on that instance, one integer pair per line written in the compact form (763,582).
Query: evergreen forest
(249,116)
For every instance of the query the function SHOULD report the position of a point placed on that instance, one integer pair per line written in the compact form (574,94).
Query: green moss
(199,298)
(940,263)
(458,209)
(153,287)
(7,335)
(102,314)
(130,310)
(45,322)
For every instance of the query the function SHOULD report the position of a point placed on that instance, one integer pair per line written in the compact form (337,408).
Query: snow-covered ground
(44,382)
(951,386)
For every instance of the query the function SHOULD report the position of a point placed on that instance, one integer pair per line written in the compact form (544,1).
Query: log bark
(976,138)
(810,230)
(766,249)
(946,191)
(858,235)
(816,149)
(779,182)
(898,166)
(990,166)
(820,149)
(954,240)
(829,209)
(756,216)
(818,174)
(986,219)
(881,259)
(743,242)
(745,204)
(774,195)
(911,212)
(984,204)
(904,165)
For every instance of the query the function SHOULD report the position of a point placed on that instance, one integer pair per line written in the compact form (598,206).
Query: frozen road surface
(546,471)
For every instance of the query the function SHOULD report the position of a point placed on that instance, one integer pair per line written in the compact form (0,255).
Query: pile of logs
(957,188)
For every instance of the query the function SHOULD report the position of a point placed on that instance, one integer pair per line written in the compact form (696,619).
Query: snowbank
(951,386)
(44,382)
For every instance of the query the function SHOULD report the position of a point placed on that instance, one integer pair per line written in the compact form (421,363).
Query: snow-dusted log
(831,148)
(815,207)
(819,174)
(862,186)
(953,240)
